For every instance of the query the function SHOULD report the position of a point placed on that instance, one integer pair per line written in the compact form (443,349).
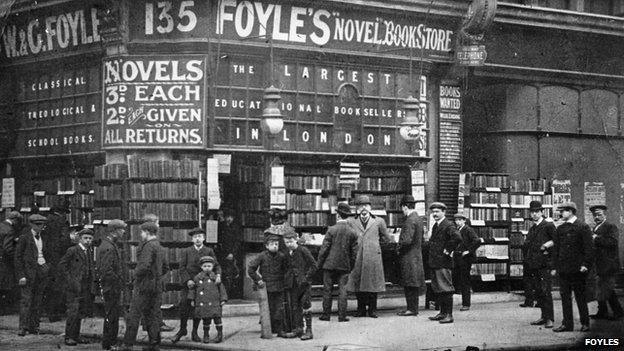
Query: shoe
(585,328)
(308,334)
(598,316)
(407,313)
(324,317)
(548,324)
(562,328)
(206,339)
(438,317)
(70,342)
(343,319)
(195,337)
(447,319)
(282,334)
(22,332)
(121,348)
(465,308)
(359,314)
(178,336)
(219,336)
(34,331)
(539,322)
(166,328)
(83,341)
(373,315)
(525,304)
(298,332)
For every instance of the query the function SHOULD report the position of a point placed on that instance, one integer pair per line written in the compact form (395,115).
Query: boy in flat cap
(208,296)
(464,257)
(605,235)
(298,280)
(78,268)
(573,255)
(269,268)
(32,270)
(189,268)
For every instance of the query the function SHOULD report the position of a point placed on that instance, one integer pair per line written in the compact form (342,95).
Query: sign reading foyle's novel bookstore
(154,102)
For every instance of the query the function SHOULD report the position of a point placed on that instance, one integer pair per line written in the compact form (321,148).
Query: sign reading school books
(154,102)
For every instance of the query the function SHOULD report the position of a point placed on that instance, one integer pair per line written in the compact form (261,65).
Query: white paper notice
(212,184)
(277,176)
(8,192)
(225,162)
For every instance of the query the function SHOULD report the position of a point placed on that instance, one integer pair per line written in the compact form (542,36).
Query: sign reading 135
(164,17)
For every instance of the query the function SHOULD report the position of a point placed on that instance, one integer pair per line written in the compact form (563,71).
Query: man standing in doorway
(607,264)
(56,233)
(410,255)
(464,257)
(573,255)
(443,242)
(9,233)
(228,252)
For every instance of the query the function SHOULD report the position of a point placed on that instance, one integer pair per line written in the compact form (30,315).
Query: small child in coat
(208,296)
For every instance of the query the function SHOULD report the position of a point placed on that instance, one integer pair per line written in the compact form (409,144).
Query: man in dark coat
(607,263)
(464,257)
(538,262)
(189,268)
(32,270)
(336,258)
(8,239)
(410,255)
(113,276)
(573,255)
(78,268)
(443,242)
(147,291)
(229,253)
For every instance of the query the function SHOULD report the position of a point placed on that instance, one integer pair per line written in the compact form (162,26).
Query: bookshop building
(115,109)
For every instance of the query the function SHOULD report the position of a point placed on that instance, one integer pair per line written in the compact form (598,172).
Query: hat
(437,205)
(279,230)
(344,209)
(85,231)
(459,216)
(206,259)
(117,224)
(14,215)
(598,207)
(37,218)
(407,199)
(567,206)
(150,227)
(196,231)
(363,200)
(535,206)
(278,216)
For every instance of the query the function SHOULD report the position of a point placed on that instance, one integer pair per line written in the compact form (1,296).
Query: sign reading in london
(154,101)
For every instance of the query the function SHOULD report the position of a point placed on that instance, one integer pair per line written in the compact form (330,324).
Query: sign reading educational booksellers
(154,102)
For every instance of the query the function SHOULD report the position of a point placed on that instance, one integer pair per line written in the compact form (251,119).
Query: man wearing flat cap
(336,258)
(573,255)
(367,277)
(464,257)
(537,249)
(410,255)
(78,269)
(443,242)
(113,276)
(605,235)
(8,241)
(32,271)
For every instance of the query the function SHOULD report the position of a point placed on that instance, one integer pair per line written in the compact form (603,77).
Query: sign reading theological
(154,102)
(50,30)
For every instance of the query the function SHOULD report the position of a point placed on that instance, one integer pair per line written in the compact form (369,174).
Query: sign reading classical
(154,101)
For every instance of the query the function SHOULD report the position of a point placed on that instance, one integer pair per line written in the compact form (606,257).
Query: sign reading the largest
(154,102)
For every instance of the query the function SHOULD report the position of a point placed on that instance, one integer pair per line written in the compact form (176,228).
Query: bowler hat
(407,199)
(344,209)
(37,218)
(567,206)
(85,231)
(117,224)
(437,205)
(206,259)
(14,215)
(598,207)
(363,200)
(196,231)
(459,216)
(535,206)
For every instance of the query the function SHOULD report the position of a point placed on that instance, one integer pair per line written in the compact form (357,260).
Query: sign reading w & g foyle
(154,101)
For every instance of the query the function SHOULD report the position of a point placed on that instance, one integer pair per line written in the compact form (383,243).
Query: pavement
(495,322)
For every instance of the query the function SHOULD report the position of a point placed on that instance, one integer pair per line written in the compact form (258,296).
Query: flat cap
(437,205)
(598,207)
(36,218)
(459,216)
(197,230)
(363,200)
(567,206)
(85,231)
(14,215)
(117,224)
(206,259)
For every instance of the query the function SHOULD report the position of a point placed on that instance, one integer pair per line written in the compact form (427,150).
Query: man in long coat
(443,242)
(8,239)
(367,277)
(410,255)
(607,263)
(56,233)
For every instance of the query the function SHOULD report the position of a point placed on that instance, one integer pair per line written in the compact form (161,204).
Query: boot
(308,329)
(372,306)
(206,339)
(219,334)
(182,332)
(194,336)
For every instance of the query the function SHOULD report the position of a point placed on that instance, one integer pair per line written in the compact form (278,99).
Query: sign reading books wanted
(154,102)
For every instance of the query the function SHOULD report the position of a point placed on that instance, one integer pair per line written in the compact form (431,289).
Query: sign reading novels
(154,102)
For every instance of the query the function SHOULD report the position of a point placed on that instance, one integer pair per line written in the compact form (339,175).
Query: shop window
(599,112)
(559,109)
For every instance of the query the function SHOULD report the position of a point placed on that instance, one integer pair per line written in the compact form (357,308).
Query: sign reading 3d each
(154,102)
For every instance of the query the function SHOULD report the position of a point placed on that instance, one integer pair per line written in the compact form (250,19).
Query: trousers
(146,305)
(299,300)
(32,297)
(330,277)
(411,297)
(568,283)
(112,312)
(461,278)
(78,306)
(276,310)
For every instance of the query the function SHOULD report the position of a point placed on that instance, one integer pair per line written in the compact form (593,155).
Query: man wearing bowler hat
(336,258)
(443,242)
(537,249)
(32,271)
(573,255)
(409,252)
(605,237)
(464,257)
(367,277)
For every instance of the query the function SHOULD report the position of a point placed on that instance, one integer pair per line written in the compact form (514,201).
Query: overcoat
(302,268)
(445,237)
(410,251)
(606,243)
(368,272)
(78,270)
(26,255)
(111,269)
(534,256)
(273,267)
(150,267)
(573,247)
(8,241)
(339,248)
(190,267)
(207,295)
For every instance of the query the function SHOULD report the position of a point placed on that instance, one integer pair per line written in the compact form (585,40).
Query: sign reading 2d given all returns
(154,101)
